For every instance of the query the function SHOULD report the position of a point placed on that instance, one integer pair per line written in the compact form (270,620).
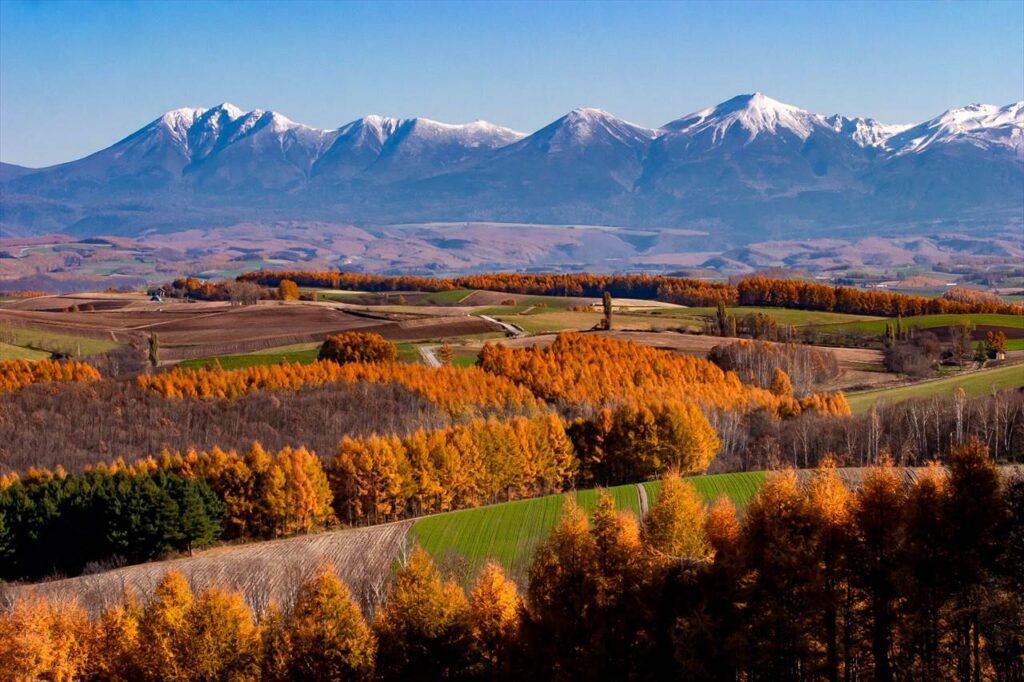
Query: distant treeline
(754,291)
(892,581)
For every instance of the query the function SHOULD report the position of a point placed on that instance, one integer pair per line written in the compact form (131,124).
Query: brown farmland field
(192,330)
(261,571)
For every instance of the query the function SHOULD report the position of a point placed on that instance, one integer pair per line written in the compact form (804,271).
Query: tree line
(760,363)
(582,373)
(753,291)
(912,431)
(52,522)
(457,390)
(16,374)
(889,581)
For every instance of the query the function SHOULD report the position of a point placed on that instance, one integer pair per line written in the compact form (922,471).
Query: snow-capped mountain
(750,165)
(983,126)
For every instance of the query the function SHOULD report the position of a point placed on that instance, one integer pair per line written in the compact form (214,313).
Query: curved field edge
(974,383)
(507,533)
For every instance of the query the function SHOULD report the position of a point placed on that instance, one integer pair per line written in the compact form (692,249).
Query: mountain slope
(750,166)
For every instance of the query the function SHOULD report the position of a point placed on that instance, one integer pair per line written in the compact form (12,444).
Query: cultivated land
(1011,325)
(201,333)
(978,382)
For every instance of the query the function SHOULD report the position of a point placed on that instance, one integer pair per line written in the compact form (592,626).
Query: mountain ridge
(744,166)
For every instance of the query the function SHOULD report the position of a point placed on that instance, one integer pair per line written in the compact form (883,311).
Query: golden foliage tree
(43,640)
(322,637)
(218,639)
(16,374)
(495,616)
(423,629)
(357,347)
(288,290)
(781,385)
(675,524)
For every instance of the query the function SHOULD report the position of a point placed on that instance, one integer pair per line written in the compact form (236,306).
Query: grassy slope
(975,383)
(738,487)
(447,297)
(304,356)
(9,352)
(507,532)
(51,341)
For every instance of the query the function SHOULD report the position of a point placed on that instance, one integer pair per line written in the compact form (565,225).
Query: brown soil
(198,330)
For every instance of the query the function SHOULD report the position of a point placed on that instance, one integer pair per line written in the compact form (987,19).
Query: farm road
(510,328)
(429,357)
(641,491)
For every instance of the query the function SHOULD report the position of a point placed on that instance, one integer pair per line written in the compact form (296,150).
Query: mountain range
(748,168)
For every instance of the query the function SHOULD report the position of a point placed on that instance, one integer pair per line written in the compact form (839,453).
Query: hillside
(460,541)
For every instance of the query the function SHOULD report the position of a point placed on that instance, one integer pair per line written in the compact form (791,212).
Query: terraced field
(974,383)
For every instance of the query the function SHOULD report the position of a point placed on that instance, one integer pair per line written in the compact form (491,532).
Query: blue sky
(77,76)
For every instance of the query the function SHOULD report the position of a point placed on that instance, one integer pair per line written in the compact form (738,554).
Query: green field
(302,356)
(738,487)
(9,352)
(447,297)
(508,533)
(938,321)
(540,321)
(788,316)
(50,341)
(974,383)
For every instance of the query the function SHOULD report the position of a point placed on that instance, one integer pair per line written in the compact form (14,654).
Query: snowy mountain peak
(230,109)
(753,114)
(985,126)
(581,126)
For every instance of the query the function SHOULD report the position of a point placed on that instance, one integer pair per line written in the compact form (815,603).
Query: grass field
(938,321)
(507,533)
(9,352)
(738,487)
(447,297)
(788,316)
(975,383)
(51,341)
(555,321)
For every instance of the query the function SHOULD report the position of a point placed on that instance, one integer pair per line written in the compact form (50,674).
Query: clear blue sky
(77,76)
